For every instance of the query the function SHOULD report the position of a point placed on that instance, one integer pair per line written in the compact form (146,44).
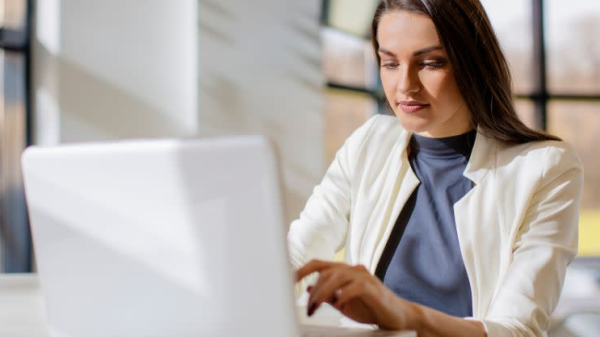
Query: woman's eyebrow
(425,50)
(385,51)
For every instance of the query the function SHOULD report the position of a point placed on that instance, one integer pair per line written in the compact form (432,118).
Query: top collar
(482,156)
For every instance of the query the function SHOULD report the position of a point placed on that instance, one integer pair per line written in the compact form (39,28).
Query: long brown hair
(480,68)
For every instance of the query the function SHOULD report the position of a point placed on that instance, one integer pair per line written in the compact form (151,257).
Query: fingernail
(311,309)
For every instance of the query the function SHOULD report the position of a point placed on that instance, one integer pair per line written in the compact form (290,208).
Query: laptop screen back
(160,238)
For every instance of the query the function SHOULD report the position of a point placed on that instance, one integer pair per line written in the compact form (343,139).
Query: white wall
(115,69)
(260,72)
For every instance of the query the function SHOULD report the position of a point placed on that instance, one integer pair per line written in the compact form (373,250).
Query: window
(572,44)
(574,99)
(349,67)
(15,246)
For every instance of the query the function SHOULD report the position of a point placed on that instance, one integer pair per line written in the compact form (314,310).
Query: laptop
(164,238)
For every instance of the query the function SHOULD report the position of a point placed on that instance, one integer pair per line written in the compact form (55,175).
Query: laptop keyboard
(326,331)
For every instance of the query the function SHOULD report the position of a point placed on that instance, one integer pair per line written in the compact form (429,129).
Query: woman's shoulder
(379,130)
(370,146)
(546,155)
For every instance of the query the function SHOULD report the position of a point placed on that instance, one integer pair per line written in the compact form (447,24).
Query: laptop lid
(161,238)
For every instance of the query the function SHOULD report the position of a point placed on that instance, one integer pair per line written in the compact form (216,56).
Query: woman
(453,208)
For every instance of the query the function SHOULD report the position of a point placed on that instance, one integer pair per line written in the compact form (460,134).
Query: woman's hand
(357,294)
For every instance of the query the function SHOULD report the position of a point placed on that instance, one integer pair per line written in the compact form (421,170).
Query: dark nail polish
(311,309)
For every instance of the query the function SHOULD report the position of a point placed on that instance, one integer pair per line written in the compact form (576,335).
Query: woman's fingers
(333,279)
(329,282)
(362,284)
(313,266)
(351,291)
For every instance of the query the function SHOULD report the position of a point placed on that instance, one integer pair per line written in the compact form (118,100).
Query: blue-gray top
(422,261)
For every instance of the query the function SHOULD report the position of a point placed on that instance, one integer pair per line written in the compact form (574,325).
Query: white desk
(21,307)
(22,312)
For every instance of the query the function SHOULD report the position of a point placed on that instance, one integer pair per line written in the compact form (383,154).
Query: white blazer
(517,227)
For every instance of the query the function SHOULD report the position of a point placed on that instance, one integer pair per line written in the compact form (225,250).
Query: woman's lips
(412,106)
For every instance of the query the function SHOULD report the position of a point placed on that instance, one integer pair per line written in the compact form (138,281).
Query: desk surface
(22,312)
(21,307)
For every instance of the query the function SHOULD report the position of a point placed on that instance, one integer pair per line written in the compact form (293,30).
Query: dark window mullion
(540,95)
(13,39)
(28,73)
(325,12)
(375,94)
(560,97)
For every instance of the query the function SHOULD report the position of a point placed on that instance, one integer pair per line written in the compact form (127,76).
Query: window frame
(17,249)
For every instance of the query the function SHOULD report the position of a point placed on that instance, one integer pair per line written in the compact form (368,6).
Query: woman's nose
(408,83)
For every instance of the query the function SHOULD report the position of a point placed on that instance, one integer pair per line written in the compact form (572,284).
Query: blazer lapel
(403,182)
(477,223)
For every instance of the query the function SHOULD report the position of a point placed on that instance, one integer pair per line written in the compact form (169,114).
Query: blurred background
(300,72)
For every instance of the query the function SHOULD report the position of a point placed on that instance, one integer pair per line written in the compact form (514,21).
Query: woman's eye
(433,65)
(389,65)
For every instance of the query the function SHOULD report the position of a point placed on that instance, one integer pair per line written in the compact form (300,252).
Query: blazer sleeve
(544,246)
(321,229)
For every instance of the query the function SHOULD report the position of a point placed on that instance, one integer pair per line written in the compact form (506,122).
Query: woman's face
(418,78)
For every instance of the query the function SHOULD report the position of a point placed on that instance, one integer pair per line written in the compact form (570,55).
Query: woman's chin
(414,126)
